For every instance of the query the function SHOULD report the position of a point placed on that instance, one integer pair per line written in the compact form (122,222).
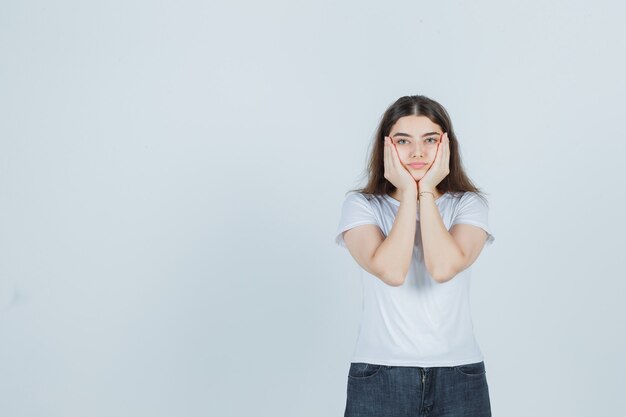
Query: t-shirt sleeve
(355,211)
(472,209)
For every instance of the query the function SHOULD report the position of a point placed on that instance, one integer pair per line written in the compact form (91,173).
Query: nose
(417,150)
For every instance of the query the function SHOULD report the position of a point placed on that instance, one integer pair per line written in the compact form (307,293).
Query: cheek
(403,153)
(432,153)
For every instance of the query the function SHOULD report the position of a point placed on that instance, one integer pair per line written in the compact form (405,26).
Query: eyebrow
(409,136)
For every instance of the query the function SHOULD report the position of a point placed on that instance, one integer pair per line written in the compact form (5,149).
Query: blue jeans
(403,391)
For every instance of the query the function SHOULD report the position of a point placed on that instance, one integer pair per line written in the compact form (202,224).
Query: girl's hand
(440,168)
(395,172)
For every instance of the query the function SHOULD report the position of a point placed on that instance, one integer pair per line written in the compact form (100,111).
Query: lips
(417,166)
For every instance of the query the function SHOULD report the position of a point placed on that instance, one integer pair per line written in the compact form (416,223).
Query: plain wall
(172,175)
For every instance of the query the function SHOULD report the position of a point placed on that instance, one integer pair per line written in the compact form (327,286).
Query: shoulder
(472,208)
(355,197)
(469,198)
(372,204)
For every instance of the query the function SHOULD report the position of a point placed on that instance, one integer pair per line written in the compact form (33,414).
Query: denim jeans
(403,391)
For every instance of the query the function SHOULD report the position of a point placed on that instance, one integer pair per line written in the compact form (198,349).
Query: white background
(172,174)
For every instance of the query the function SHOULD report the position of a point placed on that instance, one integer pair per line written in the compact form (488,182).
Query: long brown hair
(455,181)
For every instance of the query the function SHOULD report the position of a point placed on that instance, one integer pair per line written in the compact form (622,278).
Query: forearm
(441,253)
(395,253)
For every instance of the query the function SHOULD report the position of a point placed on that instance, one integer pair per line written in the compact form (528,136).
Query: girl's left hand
(439,169)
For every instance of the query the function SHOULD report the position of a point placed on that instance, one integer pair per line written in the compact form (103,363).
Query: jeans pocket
(362,370)
(471,369)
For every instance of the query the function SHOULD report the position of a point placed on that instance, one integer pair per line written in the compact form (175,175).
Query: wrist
(427,193)
(408,194)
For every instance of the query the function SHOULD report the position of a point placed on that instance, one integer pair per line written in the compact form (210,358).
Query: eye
(434,140)
(400,140)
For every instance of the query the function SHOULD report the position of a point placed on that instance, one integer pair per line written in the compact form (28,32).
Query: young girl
(415,230)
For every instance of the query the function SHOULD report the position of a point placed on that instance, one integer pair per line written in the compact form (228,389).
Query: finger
(446,153)
(395,159)
(397,163)
(387,156)
(439,153)
(391,150)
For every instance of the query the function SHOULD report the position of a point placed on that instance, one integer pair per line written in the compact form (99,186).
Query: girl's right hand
(395,172)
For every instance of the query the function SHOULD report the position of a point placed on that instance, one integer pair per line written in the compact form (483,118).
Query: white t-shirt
(422,322)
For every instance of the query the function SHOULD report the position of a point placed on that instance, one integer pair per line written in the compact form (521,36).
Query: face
(416,139)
